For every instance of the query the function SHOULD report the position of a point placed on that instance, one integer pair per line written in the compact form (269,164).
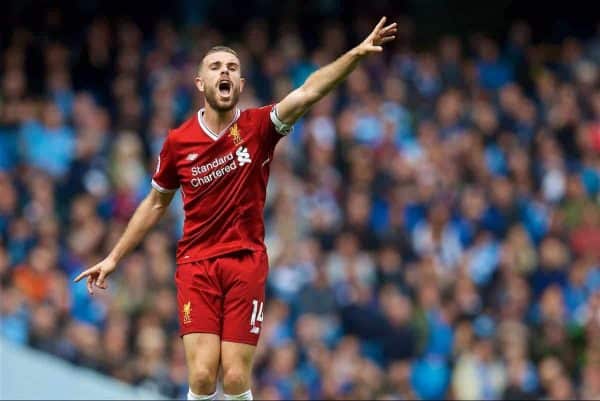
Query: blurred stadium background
(433,226)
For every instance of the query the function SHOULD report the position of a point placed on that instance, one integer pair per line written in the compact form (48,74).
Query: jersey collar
(208,131)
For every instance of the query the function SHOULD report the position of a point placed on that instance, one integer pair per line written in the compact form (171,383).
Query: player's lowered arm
(147,214)
(322,81)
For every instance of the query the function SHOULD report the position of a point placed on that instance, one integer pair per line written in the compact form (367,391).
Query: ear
(242,84)
(200,84)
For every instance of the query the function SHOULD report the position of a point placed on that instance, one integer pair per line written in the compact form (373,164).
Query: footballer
(219,159)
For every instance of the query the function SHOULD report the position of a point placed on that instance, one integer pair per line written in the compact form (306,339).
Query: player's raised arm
(147,214)
(322,81)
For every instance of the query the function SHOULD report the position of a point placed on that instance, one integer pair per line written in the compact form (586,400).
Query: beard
(211,96)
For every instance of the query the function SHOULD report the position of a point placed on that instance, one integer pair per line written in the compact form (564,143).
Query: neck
(217,120)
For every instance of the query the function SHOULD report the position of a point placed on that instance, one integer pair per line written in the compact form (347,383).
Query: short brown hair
(216,49)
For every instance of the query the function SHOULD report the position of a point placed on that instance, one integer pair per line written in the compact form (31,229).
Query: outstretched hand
(96,275)
(380,35)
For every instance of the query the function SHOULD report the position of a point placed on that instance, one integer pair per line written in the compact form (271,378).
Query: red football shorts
(223,295)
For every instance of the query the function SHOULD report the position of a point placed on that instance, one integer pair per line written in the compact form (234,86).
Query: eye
(233,67)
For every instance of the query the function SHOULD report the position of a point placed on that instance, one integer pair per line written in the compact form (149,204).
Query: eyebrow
(219,62)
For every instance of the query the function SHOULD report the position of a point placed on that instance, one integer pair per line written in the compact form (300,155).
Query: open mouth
(225,87)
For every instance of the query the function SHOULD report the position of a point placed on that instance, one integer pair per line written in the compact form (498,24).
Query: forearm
(146,215)
(325,79)
(316,86)
(144,218)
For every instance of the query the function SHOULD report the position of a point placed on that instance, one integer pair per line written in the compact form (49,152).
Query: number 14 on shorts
(257,316)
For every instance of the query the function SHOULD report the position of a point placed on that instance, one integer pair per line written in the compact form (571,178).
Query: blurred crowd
(433,225)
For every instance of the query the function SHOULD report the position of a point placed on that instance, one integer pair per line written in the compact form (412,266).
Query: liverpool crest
(187,312)
(235,135)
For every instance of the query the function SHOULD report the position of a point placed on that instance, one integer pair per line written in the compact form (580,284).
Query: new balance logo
(192,156)
(242,155)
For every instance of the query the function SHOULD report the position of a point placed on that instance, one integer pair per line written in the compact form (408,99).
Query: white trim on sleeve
(156,186)
(280,126)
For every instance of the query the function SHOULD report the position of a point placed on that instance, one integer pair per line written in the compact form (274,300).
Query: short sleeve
(270,124)
(281,127)
(165,176)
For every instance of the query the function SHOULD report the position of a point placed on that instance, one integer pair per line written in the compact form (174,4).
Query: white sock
(247,395)
(198,397)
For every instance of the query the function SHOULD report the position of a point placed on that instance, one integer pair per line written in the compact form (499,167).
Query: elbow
(154,207)
(311,95)
(157,203)
(159,208)
(315,96)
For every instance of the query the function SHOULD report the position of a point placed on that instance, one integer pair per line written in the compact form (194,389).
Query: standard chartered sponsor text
(213,170)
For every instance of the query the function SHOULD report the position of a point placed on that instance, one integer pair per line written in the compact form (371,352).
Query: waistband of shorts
(194,261)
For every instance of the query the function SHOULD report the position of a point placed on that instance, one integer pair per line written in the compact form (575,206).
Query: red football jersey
(223,179)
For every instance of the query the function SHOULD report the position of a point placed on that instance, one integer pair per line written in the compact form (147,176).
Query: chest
(206,162)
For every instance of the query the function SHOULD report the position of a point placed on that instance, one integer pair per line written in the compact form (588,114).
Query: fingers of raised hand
(375,33)
(379,25)
(390,29)
(386,34)
(386,39)
(381,35)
